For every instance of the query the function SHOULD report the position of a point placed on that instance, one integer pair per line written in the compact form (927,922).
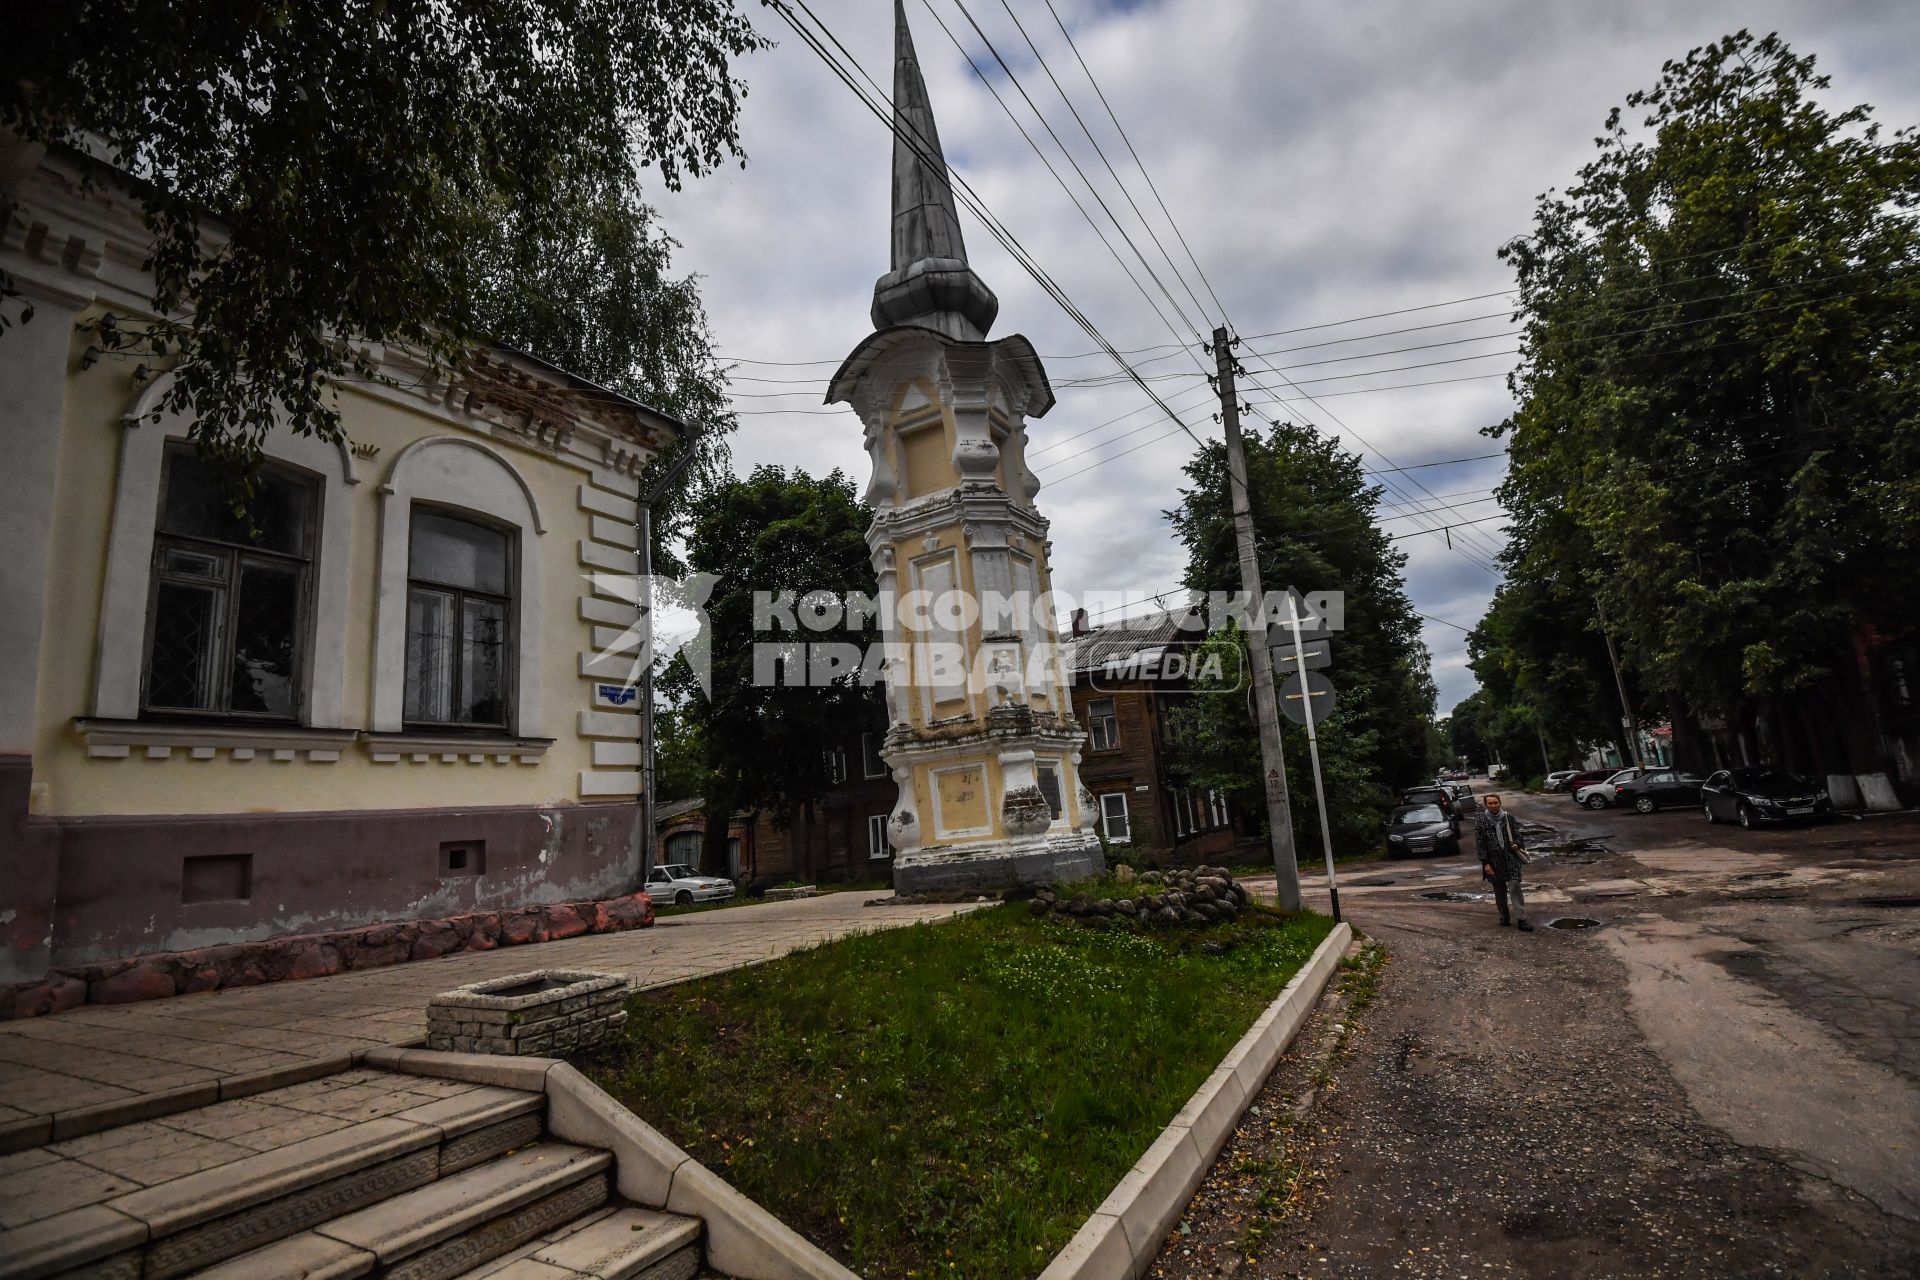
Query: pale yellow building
(399,694)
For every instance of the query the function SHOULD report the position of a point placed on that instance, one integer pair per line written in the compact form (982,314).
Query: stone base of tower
(999,865)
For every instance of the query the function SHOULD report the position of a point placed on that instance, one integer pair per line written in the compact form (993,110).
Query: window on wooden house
(1103,724)
(1114,820)
(872,766)
(836,765)
(226,618)
(460,646)
(877,846)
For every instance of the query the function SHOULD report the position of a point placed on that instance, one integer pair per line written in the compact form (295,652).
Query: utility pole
(1286,871)
(1626,708)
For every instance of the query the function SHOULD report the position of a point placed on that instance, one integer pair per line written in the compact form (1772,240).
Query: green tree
(1314,526)
(1718,393)
(766,744)
(319,176)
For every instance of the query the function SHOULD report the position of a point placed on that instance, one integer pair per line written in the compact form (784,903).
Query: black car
(1447,796)
(1422,828)
(1762,793)
(1658,790)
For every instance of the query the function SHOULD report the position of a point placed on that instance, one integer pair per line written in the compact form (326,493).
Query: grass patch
(950,1098)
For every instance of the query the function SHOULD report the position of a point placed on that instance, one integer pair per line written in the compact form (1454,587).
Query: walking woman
(1502,855)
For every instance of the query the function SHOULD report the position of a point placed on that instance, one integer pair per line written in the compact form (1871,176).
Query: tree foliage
(318,176)
(1314,525)
(1720,377)
(776,531)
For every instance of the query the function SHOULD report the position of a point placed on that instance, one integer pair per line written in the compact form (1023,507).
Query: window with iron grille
(1103,724)
(226,620)
(459,622)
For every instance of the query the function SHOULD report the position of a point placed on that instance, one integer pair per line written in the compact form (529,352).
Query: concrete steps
(362,1174)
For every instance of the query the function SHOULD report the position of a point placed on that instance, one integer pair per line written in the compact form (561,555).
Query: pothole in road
(1574,922)
(1889,900)
(1762,875)
(1456,895)
(1374,882)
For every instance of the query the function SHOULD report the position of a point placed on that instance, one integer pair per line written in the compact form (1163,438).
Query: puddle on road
(1574,922)
(1763,875)
(1888,900)
(1456,895)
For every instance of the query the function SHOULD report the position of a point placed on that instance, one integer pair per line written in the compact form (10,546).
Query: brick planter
(541,1013)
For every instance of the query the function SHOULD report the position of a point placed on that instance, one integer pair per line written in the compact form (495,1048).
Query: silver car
(680,884)
(1599,795)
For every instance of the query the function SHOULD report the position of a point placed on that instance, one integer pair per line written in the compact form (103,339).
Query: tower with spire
(982,741)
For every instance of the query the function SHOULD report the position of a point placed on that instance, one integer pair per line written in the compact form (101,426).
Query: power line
(1099,151)
(1440,528)
(1138,162)
(961,189)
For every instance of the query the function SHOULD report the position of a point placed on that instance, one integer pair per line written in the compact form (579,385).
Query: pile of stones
(1192,897)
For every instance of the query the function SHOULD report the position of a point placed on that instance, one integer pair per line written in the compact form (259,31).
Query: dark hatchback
(1660,789)
(1421,828)
(1762,793)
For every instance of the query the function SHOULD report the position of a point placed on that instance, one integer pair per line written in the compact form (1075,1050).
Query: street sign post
(1312,693)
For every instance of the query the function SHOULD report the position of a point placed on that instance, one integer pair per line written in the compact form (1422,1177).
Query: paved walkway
(101,1054)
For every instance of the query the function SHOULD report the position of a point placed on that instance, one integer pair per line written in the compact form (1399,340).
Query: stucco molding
(120,649)
(467,475)
(157,740)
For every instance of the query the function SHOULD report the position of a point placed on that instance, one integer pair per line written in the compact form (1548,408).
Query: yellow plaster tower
(983,743)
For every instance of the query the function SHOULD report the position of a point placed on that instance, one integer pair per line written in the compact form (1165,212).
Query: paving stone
(309,1256)
(53,1186)
(410,1223)
(68,1241)
(622,1243)
(263,1176)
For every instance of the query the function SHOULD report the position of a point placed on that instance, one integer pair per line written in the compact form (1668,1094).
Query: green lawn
(953,1098)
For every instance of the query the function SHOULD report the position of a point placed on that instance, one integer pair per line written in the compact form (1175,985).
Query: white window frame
(1182,812)
(1107,816)
(121,664)
(878,847)
(469,477)
(836,763)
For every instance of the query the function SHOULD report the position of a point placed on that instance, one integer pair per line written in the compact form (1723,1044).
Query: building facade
(393,690)
(1144,804)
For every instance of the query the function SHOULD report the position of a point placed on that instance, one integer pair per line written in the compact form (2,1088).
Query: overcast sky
(1324,160)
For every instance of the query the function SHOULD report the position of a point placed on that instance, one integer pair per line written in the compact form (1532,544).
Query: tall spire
(930,283)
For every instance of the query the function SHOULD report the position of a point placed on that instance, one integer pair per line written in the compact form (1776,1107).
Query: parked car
(680,884)
(1762,793)
(1557,780)
(1586,778)
(1422,828)
(1599,795)
(1658,790)
(1441,794)
(1463,801)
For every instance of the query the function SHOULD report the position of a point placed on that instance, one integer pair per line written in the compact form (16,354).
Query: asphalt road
(1719,1078)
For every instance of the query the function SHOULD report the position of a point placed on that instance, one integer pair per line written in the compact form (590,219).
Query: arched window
(459,622)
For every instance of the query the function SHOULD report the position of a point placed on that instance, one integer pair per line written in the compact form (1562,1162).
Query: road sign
(1305,693)
(1313,655)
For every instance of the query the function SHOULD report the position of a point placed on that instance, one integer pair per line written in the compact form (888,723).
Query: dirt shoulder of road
(1499,1109)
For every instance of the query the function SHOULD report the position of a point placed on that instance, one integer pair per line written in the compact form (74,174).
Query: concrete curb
(1122,1236)
(743,1239)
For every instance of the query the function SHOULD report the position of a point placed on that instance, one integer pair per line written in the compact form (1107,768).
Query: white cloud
(1325,160)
